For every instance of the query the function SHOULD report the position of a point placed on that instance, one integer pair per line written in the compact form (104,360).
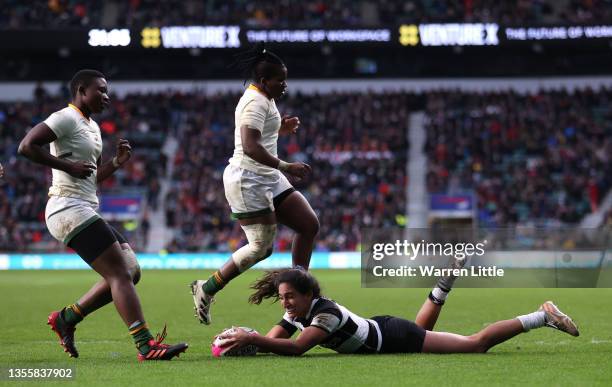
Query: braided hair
(257,63)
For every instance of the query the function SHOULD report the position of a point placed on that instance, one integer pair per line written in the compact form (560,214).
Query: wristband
(282,165)
(116,162)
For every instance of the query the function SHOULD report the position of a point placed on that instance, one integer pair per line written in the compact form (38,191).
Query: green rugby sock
(72,314)
(141,335)
(214,283)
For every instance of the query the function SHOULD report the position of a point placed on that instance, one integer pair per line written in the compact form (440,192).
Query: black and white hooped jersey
(348,332)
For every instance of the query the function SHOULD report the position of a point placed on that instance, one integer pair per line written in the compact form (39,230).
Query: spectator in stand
(531,159)
(294,14)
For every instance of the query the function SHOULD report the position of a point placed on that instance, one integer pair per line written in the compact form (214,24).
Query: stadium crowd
(23,190)
(358,155)
(530,159)
(17,14)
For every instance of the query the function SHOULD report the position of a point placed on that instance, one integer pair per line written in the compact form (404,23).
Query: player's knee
(480,343)
(132,264)
(261,237)
(136,274)
(312,227)
(309,227)
(262,248)
(261,241)
(120,275)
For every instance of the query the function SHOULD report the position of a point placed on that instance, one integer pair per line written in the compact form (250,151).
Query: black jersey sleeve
(286,325)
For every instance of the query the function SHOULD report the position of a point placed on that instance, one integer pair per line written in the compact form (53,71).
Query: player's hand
(1,170)
(289,125)
(124,151)
(81,169)
(299,169)
(238,339)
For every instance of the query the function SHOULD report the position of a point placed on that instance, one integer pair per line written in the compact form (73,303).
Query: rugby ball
(218,350)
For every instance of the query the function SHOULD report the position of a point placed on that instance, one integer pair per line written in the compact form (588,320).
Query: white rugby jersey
(257,112)
(78,139)
(348,332)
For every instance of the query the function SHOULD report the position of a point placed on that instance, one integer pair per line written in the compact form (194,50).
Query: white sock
(439,294)
(532,320)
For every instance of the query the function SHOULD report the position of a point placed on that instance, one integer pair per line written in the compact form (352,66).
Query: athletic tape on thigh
(130,260)
(261,240)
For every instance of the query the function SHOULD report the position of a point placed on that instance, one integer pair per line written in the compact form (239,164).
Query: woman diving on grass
(324,322)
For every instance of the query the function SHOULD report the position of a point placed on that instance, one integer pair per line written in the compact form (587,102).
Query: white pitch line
(79,342)
(596,341)
(562,342)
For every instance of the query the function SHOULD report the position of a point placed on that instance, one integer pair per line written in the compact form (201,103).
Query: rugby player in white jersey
(259,195)
(72,218)
(324,322)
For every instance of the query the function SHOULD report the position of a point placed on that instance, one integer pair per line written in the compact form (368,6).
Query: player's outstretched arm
(32,147)
(309,337)
(277,332)
(124,152)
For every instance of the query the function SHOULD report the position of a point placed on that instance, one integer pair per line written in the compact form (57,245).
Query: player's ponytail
(265,287)
(255,62)
(300,279)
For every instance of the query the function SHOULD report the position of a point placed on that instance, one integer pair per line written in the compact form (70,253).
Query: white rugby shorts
(66,216)
(250,194)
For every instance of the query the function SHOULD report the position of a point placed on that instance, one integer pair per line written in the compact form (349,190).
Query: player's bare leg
(112,267)
(444,342)
(296,213)
(64,322)
(548,315)
(428,315)
(100,294)
(430,310)
(203,291)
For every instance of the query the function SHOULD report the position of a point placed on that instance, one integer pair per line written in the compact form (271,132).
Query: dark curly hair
(83,78)
(267,286)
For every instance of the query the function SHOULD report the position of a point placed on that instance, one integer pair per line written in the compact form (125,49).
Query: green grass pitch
(108,357)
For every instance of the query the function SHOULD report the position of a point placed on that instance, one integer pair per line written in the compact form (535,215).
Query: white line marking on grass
(79,342)
(562,342)
(566,342)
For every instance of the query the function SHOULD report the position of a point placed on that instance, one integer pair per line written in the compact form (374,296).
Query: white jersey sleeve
(256,111)
(61,124)
(253,115)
